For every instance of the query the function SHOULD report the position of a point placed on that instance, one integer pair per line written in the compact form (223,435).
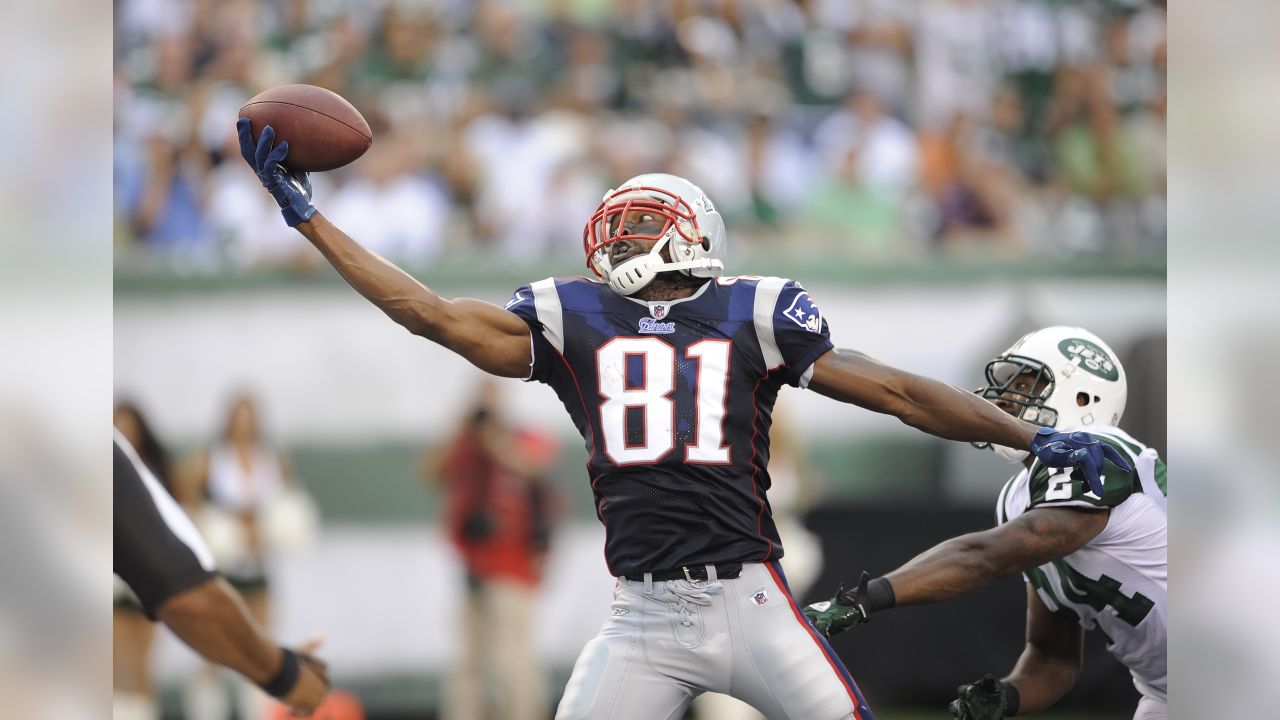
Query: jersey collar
(661,308)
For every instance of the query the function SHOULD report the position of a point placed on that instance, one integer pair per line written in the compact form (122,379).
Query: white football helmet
(693,232)
(1059,377)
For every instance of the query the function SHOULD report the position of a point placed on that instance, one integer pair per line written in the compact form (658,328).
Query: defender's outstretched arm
(962,565)
(966,563)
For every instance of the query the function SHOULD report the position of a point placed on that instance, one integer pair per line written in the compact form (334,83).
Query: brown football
(323,129)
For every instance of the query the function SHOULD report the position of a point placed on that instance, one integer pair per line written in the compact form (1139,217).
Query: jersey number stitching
(1059,486)
(1097,594)
(1103,592)
(652,396)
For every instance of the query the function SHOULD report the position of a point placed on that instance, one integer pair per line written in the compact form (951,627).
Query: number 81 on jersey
(651,393)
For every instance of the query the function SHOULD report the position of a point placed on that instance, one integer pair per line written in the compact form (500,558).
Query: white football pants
(667,642)
(1150,708)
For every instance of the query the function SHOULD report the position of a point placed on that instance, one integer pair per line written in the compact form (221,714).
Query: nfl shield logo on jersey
(805,313)
(760,597)
(658,310)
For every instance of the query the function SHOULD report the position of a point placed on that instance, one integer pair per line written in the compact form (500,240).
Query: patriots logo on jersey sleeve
(805,313)
(515,299)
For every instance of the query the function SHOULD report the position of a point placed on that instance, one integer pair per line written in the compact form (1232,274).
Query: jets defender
(1091,559)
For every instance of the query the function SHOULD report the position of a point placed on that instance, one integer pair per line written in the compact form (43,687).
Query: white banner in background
(328,365)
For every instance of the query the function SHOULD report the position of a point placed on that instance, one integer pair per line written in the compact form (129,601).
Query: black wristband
(1011,699)
(285,678)
(879,596)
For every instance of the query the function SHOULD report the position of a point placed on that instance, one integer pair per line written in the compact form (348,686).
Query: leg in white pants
(1150,708)
(803,563)
(613,678)
(667,642)
(786,670)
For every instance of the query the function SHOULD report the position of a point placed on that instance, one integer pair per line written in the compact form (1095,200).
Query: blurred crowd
(873,130)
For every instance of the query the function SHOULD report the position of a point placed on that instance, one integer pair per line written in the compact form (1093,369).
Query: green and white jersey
(1118,582)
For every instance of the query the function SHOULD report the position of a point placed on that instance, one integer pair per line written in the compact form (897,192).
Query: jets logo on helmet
(1092,358)
(1059,377)
(692,232)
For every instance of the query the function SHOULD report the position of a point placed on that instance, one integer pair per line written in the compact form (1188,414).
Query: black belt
(724,571)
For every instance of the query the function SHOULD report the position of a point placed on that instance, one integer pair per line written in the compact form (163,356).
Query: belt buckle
(687,576)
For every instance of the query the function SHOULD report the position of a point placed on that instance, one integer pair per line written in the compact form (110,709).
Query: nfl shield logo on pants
(760,597)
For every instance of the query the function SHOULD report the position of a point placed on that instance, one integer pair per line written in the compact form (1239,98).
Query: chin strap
(634,274)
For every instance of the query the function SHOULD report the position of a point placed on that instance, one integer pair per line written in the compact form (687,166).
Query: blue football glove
(1079,450)
(290,188)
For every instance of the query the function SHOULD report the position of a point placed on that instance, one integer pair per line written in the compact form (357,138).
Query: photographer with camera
(497,513)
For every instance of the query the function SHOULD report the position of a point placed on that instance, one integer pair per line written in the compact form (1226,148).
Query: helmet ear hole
(1082,399)
(706,243)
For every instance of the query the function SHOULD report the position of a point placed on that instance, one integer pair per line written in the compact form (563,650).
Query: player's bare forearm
(955,567)
(493,339)
(929,405)
(1041,680)
(969,562)
(395,292)
(1051,661)
(214,621)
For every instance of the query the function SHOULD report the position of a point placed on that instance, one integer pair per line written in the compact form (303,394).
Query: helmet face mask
(692,233)
(1020,386)
(1060,377)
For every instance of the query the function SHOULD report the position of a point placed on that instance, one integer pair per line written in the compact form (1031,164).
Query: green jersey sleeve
(1065,487)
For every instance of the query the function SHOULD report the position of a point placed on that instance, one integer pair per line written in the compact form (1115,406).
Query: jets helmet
(692,232)
(1060,377)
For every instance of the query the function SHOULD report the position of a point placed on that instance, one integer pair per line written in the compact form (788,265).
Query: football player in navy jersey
(669,370)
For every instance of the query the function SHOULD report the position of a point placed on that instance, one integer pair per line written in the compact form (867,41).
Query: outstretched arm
(162,557)
(493,339)
(969,562)
(214,621)
(929,405)
(961,565)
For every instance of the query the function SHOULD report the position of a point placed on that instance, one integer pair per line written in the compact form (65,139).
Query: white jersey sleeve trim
(546,301)
(170,512)
(806,376)
(767,291)
(1144,464)
(1001,511)
(533,357)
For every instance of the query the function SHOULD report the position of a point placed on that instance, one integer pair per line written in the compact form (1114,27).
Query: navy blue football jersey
(674,400)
